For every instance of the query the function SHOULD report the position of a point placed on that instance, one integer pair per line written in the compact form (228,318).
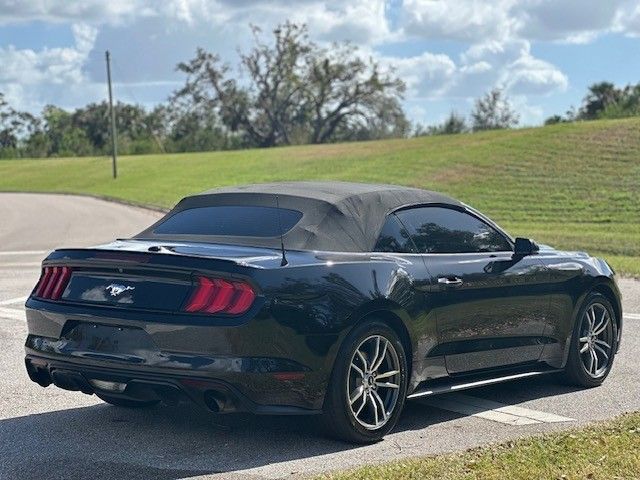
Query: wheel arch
(398,326)
(392,315)
(606,287)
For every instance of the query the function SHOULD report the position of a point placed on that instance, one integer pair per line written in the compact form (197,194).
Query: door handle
(450,281)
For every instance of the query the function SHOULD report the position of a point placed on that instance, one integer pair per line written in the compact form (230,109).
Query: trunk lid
(144,275)
(156,289)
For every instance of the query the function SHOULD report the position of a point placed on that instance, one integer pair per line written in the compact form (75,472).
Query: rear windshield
(233,221)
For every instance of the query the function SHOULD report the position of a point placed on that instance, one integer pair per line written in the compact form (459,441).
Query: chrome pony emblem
(115,289)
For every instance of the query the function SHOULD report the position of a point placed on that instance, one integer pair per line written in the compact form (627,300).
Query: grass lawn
(606,451)
(574,186)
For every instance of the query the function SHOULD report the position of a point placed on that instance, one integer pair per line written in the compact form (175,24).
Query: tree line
(288,90)
(604,100)
(493,110)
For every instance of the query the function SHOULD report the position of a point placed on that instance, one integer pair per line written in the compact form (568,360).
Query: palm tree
(600,96)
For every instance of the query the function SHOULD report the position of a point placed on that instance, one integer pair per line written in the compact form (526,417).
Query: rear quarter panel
(323,301)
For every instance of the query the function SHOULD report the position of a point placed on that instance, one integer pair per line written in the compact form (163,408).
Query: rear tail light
(53,282)
(215,295)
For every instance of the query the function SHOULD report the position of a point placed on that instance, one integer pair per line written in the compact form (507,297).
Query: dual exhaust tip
(105,386)
(213,400)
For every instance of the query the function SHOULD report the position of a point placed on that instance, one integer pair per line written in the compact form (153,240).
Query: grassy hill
(573,186)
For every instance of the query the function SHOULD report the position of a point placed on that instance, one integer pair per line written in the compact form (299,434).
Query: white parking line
(20,265)
(510,409)
(446,404)
(494,411)
(631,316)
(11,301)
(24,252)
(12,314)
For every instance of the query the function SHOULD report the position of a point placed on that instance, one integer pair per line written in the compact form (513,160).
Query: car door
(394,239)
(489,304)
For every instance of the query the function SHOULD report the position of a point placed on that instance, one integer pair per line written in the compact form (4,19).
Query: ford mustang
(339,300)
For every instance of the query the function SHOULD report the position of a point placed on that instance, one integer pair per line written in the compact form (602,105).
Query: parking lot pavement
(52,433)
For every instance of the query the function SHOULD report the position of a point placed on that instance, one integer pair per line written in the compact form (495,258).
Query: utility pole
(114,134)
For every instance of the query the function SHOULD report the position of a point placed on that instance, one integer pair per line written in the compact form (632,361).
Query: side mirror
(525,246)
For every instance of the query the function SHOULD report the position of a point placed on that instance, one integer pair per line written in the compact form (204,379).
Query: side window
(445,230)
(394,238)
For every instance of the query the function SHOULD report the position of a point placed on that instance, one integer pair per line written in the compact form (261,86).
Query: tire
(126,402)
(359,423)
(580,369)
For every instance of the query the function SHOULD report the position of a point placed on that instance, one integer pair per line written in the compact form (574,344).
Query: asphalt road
(51,433)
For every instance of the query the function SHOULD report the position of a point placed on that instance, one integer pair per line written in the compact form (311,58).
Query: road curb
(107,198)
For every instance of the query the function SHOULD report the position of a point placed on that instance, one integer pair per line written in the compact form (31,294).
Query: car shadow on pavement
(166,443)
(104,442)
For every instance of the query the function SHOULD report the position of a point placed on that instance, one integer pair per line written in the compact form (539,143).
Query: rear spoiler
(181,255)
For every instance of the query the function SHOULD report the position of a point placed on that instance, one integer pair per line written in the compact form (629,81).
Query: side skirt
(457,384)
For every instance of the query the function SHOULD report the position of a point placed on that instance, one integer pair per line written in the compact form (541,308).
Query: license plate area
(131,343)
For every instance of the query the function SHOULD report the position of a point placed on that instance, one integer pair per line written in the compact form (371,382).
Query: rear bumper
(261,366)
(214,395)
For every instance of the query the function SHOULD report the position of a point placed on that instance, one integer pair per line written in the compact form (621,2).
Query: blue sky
(543,53)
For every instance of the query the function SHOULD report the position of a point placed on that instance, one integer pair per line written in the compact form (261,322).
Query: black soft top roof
(337,216)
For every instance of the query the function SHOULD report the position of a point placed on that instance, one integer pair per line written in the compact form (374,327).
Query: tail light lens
(216,295)
(53,282)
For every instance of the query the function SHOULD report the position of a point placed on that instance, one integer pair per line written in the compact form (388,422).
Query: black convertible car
(335,299)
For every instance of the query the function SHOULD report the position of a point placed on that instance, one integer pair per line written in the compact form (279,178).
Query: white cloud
(528,114)
(361,21)
(153,36)
(54,65)
(477,68)
(571,21)
(494,51)
(532,76)
(512,67)
(627,19)
(457,19)
(417,112)
(88,11)
(84,36)
(505,64)
(25,72)
(426,75)
(574,21)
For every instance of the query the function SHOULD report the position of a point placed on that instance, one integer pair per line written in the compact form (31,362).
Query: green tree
(554,119)
(56,123)
(197,129)
(15,128)
(93,120)
(75,143)
(344,91)
(293,88)
(37,145)
(455,123)
(493,111)
(600,96)
(627,105)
